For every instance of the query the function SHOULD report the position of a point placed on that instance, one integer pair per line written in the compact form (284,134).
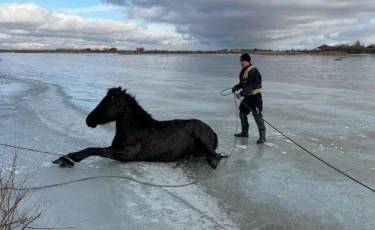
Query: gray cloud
(267,24)
(210,24)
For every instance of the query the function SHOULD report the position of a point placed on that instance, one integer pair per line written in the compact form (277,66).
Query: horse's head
(112,106)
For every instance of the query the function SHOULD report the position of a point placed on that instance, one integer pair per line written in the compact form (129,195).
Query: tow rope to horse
(181,185)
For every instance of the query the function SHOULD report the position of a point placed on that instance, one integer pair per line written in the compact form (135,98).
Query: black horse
(139,137)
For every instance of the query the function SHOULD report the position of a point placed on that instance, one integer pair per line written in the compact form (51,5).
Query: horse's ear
(119,88)
(124,90)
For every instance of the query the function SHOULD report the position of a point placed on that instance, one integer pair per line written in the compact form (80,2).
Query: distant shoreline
(269,53)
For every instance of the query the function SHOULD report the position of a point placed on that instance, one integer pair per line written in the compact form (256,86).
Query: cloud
(90,9)
(265,24)
(30,26)
(194,24)
(4,36)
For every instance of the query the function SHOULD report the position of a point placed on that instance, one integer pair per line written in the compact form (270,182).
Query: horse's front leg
(66,161)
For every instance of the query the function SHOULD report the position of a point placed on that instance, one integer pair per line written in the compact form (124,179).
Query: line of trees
(356,48)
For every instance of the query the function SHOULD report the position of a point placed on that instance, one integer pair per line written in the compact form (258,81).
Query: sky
(185,25)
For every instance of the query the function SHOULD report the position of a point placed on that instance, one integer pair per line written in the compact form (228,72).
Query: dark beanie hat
(245,57)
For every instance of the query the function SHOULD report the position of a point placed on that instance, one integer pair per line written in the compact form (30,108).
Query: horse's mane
(139,115)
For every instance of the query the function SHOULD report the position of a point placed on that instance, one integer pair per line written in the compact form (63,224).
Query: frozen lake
(326,105)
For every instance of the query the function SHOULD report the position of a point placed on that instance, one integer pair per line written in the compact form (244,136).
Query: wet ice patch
(137,217)
(130,205)
(94,166)
(271,145)
(277,135)
(242,146)
(46,164)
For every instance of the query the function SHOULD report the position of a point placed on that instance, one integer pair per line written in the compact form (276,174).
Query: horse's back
(194,128)
(174,139)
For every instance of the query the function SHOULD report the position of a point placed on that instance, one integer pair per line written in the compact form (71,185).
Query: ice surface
(45,98)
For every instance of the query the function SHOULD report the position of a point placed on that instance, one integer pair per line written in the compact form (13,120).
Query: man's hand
(234,89)
(238,96)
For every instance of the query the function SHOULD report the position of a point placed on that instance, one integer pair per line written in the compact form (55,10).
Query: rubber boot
(261,127)
(262,137)
(244,125)
(244,133)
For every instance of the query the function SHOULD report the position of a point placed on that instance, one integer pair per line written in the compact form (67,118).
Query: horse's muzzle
(90,123)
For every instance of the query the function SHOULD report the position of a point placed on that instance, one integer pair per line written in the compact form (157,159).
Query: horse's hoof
(69,165)
(214,164)
(63,162)
(221,155)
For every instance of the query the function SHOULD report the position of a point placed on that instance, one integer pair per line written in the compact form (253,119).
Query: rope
(84,179)
(98,177)
(235,140)
(320,159)
(38,151)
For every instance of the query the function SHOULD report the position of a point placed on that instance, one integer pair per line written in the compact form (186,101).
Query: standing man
(251,85)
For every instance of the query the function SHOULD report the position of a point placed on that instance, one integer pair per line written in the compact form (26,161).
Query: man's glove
(234,89)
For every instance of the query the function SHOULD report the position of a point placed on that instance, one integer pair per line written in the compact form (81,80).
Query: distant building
(371,46)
